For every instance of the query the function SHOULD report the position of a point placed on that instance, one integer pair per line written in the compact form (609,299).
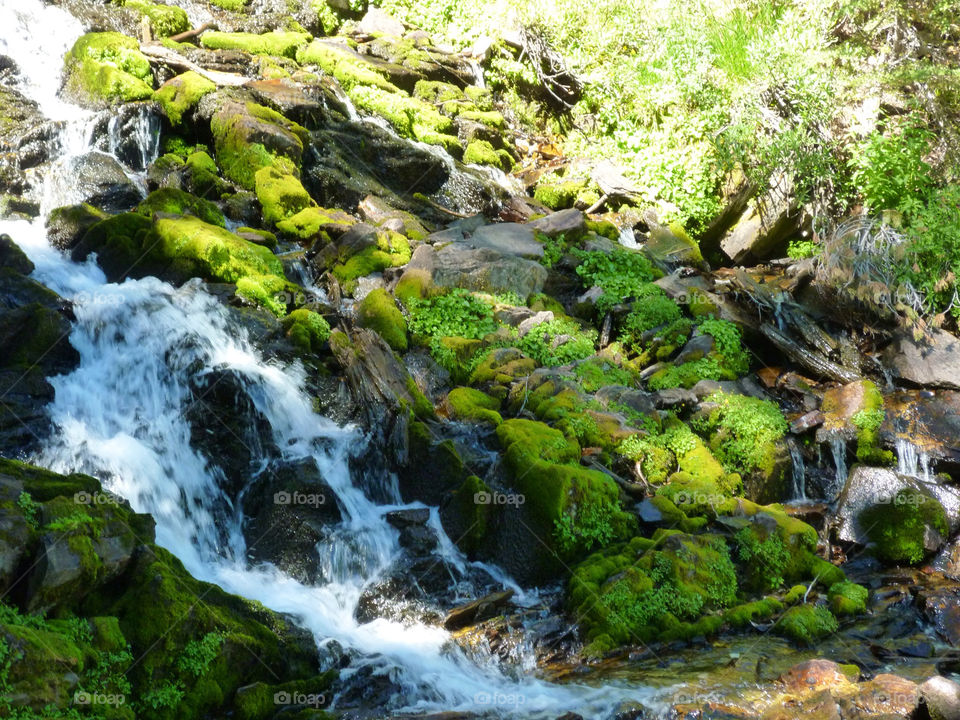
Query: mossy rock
(659,589)
(171,201)
(390,250)
(847,598)
(307,330)
(481,152)
(350,69)
(378,311)
(276,42)
(900,529)
(106,69)
(413,285)
(181,94)
(281,195)
(310,222)
(165,20)
(471,404)
(409,116)
(806,624)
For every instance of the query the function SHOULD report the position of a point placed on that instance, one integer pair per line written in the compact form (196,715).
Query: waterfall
(913,461)
(120,415)
(799,472)
(838,448)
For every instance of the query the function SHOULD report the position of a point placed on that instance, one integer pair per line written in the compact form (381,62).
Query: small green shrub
(620,274)
(458,313)
(558,342)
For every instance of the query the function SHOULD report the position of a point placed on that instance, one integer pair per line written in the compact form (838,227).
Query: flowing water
(121,416)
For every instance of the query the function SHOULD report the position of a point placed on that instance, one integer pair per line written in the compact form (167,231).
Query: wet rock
(671,247)
(482,269)
(934,361)
(288,509)
(929,421)
(104,183)
(303,104)
(477,610)
(813,675)
(507,239)
(941,698)
(570,223)
(807,421)
(66,226)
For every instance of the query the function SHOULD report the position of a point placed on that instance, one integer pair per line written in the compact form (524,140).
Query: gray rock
(570,223)
(765,226)
(104,184)
(932,362)
(507,239)
(531,322)
(479,269)
(942,698)
(66,226)
(674,397)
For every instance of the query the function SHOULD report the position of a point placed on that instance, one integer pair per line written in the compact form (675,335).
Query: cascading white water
(912,461)
(121,415)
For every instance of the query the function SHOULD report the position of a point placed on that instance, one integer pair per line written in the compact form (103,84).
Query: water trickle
(838,449)
(912,461)
(799,474)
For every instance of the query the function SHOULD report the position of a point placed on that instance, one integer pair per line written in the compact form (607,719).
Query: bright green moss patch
(635,593)
(311,221)
(165,20)
(481,152)
(900,528)
(806,624)
(868,420)
(847,598)
(349,69)
(391,250)
(276,42)
(172,201)
(107,68)
(232,5)
(240,131)
(307,330)
(757,611)
(471,404)
(410,117)
(379,312)
(281,195)
(180,94)
(743,431)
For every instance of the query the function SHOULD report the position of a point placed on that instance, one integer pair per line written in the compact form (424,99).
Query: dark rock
(104,183)
(409,517)
(477,610)
(932,362)
(66,226)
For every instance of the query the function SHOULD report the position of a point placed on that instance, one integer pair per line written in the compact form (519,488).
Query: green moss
(636,593)
(379,312)
(492,118)
(391,250)
(806,624)
(409,116)
(172,201)
(581,505)
(349,69)
(307,330)
(182,93)
(107,68)
(311,221)
(470,404)
(232,5)
(868,421)
(433,91)
(413,285)
(744,431)
(281,195)
(757,611)
(165,20)
(237,132)
(558,194)
(899,528)
(847,598)
(276,42)
(481,152)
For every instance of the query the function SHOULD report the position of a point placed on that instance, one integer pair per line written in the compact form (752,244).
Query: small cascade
(134,137)
(628,238)
(799,474)
(838,449)
(913,461)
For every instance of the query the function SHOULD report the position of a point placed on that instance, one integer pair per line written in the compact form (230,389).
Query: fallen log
(157,53)
(191,34)
(810,360)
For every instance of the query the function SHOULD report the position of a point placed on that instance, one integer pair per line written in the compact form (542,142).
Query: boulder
(507,239)
(380,22)
(104,184)
(476,611)
(479,269)
(934,361)
(941,698)
(570,223)
(66,226)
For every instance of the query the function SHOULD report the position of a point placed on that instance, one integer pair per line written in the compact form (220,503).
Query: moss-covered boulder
(165,20)
(171,201)
(276,42)
(309,223)
(248,137)
(466,403)
(107,68)
(806,624)
(307,330)
(181,94)
(281,194)
(378,311)
(907,527)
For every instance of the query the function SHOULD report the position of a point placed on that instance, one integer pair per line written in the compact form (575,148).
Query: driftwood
(157,53)
(191,34)
(812,361)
